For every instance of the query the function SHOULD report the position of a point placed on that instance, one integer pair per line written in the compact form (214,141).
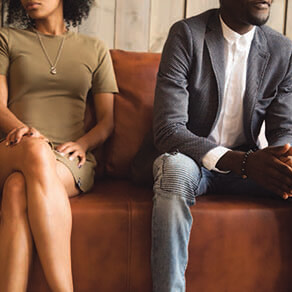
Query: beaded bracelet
(243,164)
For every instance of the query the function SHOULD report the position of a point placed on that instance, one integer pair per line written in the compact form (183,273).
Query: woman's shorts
(84,176)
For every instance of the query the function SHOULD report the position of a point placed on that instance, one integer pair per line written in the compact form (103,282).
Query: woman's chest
(31,66)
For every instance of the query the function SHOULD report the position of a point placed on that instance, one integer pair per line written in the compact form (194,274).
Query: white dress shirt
(229,131)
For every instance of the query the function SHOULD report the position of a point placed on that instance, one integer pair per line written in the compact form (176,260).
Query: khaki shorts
(84,176)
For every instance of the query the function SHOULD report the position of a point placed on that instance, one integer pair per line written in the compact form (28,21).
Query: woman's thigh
(14,158)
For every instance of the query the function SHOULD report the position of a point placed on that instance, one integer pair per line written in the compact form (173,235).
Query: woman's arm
(9,123)
(104,103)
(8,120)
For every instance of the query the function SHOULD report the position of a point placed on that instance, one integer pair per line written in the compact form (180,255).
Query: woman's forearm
(96,136)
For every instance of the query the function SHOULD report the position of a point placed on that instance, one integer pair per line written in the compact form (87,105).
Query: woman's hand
(74,149)
(15,136)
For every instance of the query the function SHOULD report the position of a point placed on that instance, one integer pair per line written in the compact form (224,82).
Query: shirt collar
(242,42)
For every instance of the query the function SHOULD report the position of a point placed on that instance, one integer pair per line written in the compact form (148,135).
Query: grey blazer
(190,85)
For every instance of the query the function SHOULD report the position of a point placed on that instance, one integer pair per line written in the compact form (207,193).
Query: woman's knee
(14,202)
(37,153)
(177,173)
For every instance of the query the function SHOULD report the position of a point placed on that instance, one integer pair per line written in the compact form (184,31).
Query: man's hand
(270,167)
(287,157)
(267,168)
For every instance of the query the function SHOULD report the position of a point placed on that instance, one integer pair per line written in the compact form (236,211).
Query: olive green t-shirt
(53,104)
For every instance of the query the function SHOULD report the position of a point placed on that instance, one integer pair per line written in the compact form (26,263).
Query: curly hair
(74,12)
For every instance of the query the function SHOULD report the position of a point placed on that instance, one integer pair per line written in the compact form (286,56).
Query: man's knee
(178,174)
(14,203)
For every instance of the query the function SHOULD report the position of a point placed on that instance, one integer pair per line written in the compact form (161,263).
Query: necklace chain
(53,69)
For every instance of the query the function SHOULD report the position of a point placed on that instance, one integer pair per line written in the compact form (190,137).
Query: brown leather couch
(238,244)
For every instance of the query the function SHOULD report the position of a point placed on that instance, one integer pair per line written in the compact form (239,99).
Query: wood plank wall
(142,25)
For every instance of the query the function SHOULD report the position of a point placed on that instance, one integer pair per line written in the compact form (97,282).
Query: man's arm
(279,114)
(172,97)
(271,167)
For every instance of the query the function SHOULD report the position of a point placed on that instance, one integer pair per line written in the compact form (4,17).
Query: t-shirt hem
(114,91)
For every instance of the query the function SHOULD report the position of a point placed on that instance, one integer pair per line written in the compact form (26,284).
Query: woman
(45,74)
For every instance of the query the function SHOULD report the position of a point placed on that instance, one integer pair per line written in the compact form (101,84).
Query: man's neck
(237,26)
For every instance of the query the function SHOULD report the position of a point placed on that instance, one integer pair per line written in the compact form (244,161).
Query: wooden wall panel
(1,13)
(101,21)
(277,17)
(163,14)
(132,25)
(195,7)
(143,25)
(289,19)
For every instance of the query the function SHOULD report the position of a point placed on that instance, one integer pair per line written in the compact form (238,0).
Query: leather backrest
(136,78)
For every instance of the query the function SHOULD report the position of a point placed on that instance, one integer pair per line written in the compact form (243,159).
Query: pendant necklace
(53,69)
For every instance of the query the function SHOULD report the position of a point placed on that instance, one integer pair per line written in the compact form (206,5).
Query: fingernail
(7,144)
(61,153)
(71,158)
(79,166)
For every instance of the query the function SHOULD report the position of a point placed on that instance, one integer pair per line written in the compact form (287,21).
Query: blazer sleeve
(279,114)
(170,116)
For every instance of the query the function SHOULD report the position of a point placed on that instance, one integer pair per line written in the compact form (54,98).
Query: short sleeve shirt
(54,104)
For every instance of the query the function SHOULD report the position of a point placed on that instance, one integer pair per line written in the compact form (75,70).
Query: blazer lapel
(256,66)
(215,44)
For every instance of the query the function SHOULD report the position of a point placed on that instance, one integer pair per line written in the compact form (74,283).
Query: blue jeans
(178,181)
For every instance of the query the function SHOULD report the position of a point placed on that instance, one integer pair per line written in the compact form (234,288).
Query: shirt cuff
(212,157)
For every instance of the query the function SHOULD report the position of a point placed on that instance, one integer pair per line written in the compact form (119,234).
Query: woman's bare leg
(15,236)
(15,233)
(49,210)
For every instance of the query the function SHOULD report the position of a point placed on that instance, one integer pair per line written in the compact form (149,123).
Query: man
(222,73)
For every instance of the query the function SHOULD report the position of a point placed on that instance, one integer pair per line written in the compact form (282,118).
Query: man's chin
(258,21)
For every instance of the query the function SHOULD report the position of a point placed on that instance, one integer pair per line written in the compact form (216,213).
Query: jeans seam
(189,199)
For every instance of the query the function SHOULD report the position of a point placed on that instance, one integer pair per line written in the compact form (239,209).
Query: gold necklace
(53,69)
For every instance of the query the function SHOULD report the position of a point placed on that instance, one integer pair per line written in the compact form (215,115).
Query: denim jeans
(178,181)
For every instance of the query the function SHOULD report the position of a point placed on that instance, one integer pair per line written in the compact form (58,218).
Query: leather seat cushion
(232,238)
